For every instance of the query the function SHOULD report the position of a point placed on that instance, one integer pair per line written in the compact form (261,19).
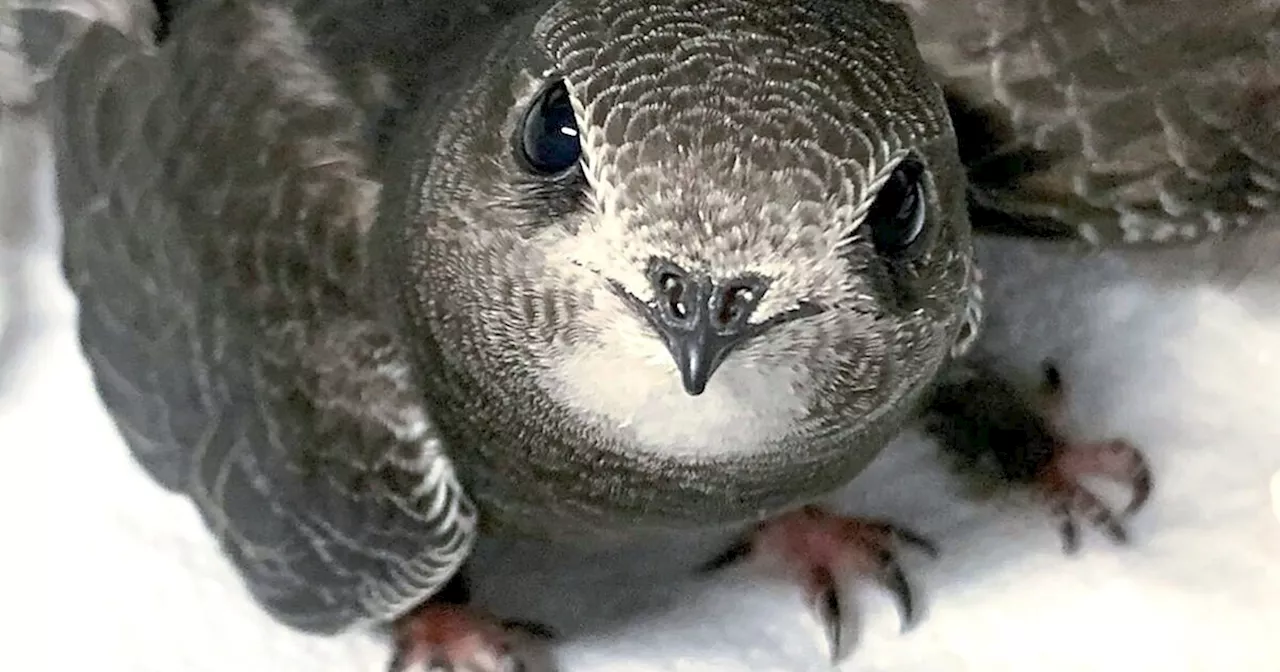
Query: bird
(368,280)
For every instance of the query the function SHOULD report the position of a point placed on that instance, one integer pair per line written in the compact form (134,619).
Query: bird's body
(336,288)
(594,403)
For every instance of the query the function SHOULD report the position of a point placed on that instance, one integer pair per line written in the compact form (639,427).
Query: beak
(701,321)
(698,348)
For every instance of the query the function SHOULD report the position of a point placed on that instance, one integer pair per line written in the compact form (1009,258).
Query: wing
(215,198)
(1115,121)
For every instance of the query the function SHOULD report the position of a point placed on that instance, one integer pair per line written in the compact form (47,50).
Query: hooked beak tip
(694,370)
(694,387)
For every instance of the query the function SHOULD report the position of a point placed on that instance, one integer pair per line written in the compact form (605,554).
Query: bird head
(712,226)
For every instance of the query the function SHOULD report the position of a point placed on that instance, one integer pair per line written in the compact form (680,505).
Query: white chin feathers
(627,383)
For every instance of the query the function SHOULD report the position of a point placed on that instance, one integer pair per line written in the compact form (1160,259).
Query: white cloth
(103,570)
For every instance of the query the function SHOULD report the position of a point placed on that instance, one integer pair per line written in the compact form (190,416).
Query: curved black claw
(840,627)
(825,551)
(1139,479)
(732,555)
(452,638)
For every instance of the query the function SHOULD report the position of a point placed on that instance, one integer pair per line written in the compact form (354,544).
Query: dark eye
(897,216)
(672,289)
(549,139)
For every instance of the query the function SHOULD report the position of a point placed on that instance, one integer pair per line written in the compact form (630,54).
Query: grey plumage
(277,401)
(1138,121)
(572,374)
(319,293)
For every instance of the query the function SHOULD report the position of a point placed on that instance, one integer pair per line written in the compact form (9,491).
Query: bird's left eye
(897,217)
(549,139)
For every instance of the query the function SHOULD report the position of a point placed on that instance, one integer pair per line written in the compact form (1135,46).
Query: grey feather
(1115,121)
(321,293)
(560,367)
(226,312)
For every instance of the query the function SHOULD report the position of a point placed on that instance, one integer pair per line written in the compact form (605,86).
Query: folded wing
(216,196)
(1116,121)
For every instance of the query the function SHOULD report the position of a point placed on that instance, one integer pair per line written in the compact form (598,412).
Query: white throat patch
(627,382)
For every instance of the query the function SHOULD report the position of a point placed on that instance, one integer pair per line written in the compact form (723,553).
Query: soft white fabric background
(101,570)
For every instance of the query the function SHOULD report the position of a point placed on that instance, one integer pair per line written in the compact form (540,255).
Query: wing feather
(215,196)
(1115,121)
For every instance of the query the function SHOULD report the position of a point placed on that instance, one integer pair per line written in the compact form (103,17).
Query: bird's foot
(453,638)
(982,418)
(1059,480)
(1069,499)
(824,551)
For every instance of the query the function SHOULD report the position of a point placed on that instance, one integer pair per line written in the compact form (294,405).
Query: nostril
(674,294)
(734,303)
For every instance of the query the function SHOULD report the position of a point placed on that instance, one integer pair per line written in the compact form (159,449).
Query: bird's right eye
(897,215)
(549,139)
